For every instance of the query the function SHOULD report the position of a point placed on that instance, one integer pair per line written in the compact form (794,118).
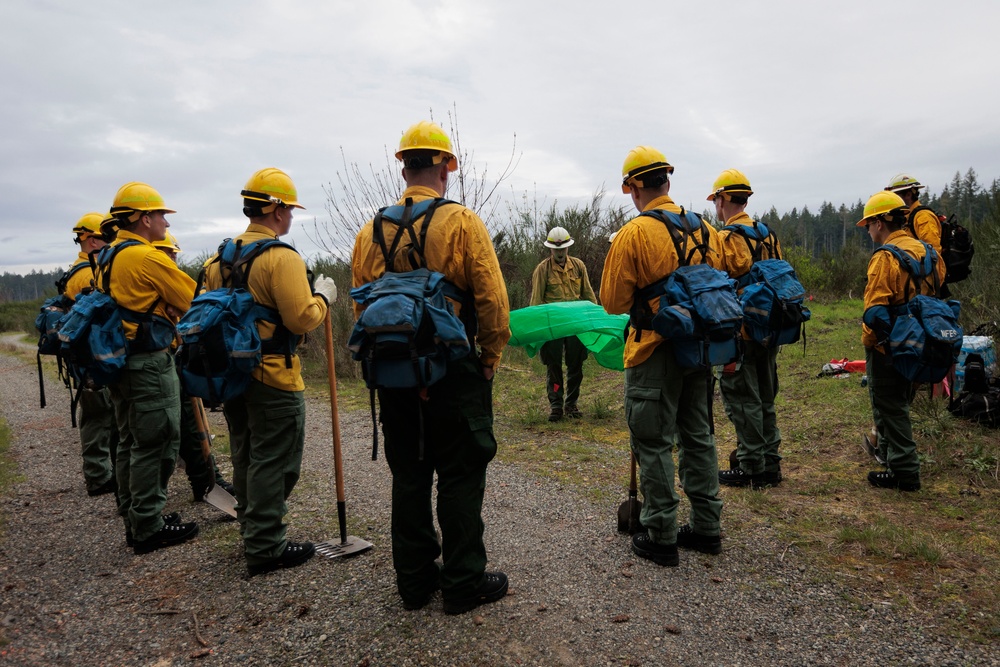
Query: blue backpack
(52,310)
(93,338)
(699,312)
(221,345)
(923,335)
(408,331)
(773,299)
(47,324)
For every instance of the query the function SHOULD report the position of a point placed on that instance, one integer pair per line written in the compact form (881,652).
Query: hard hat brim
(564,244)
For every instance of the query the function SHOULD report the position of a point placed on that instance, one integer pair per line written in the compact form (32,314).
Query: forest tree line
(829,252)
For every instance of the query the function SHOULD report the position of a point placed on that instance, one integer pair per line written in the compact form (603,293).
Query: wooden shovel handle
(633,487)
(202,423)
(331,371)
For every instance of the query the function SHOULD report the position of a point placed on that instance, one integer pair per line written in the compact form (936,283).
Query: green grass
(19,315)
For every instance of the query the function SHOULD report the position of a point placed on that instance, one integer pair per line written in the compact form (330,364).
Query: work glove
(326,288)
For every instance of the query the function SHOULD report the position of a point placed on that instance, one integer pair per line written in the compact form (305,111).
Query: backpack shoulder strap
(918,270)
(758,237)
(403,217)
(245,255)
(68,275)
(106,259)
(682,232)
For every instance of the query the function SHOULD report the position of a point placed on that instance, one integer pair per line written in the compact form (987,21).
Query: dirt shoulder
(74,595)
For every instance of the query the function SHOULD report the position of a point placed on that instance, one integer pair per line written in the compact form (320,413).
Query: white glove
(326,288)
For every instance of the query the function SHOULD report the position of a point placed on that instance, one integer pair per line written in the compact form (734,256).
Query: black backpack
(978,401)
(957,248)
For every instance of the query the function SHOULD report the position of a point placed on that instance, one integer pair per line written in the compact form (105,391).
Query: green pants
(457,431)
(147,408)
(891,395)
(266,437)
(98,437)
(749,395)
(664,403)
(551,354)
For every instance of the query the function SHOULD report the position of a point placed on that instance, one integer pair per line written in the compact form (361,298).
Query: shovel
(628,511)
(348,545)
(869,445)
(216,496)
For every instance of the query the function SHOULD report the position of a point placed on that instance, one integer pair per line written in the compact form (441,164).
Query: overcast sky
(813,101)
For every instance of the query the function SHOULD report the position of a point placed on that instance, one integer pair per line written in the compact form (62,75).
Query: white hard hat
(558,238)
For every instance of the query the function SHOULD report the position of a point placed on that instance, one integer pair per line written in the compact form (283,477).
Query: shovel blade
(335,548)
(219,497)
(628,516)
(868,445)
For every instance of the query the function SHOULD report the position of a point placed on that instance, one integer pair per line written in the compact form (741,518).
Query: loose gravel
(73,594)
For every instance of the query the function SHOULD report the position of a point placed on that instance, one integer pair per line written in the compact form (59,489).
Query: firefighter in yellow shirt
(98,429)
(921,222)
(665,403)
(200,473)
(445,429)
(153,291)
(267,422)
(890,285)
(562,278)
(750,385)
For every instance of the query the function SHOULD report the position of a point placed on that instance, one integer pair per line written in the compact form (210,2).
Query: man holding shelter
(556,279)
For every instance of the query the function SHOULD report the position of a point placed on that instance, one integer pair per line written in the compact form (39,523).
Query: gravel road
(74,595)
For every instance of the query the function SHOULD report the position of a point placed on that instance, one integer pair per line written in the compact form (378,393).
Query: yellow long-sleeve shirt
(927,227)
(641,254)
(278,280)
(887,280)
(551,283)
(142,275)
(80,280)
(458,246)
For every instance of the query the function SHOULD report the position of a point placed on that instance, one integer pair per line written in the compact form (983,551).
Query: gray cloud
(814,102)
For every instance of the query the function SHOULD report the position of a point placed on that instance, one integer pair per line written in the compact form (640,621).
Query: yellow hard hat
(641,160)
(87,226)
(271,186)
(558,238)
(881,203)
(901,182)
(135,197)
(168,243)
(730,182)
(428,136)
